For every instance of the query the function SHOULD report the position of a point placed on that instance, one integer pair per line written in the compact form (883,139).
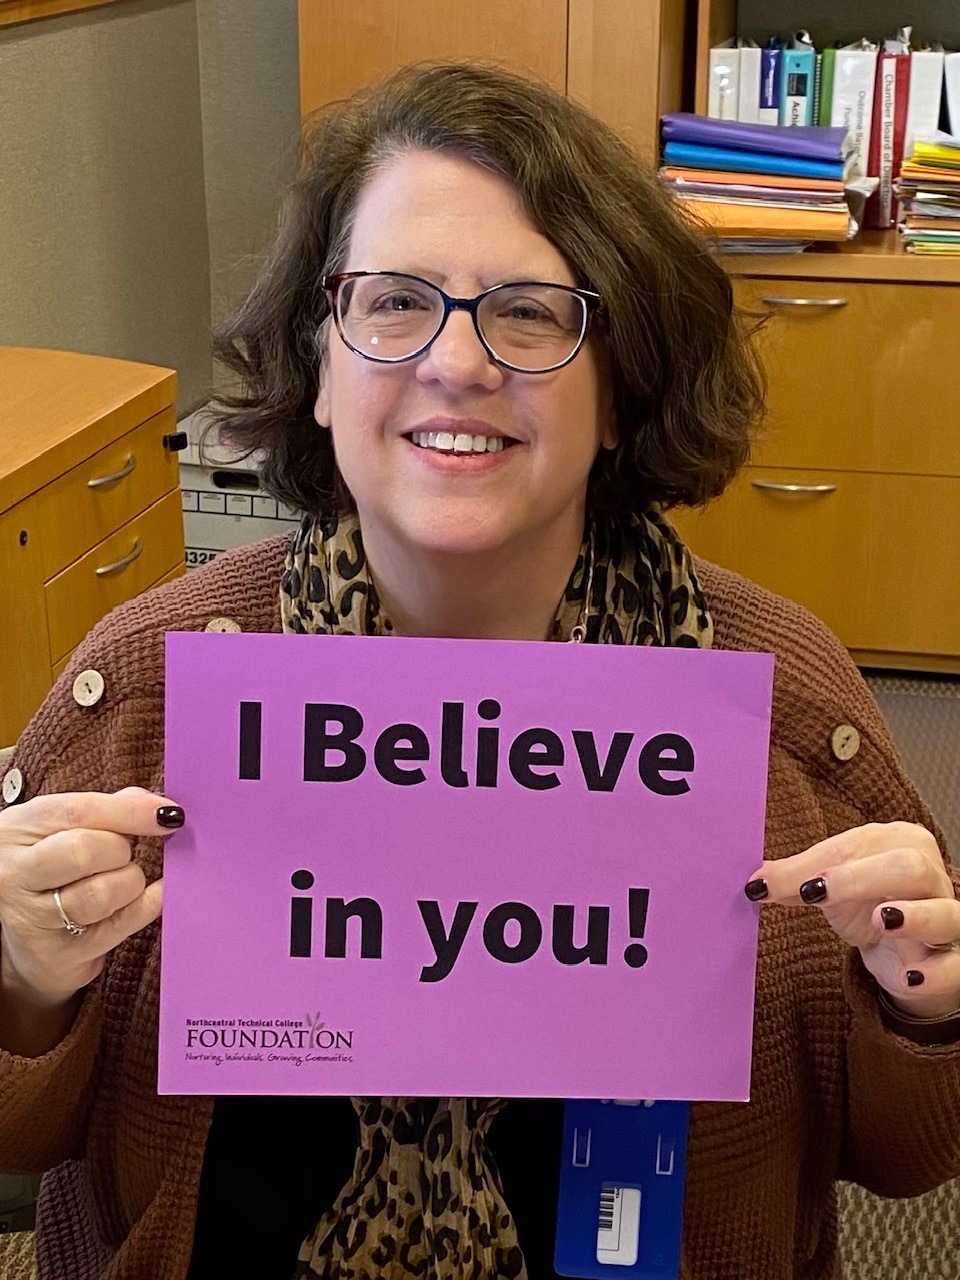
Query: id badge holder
(620,1211)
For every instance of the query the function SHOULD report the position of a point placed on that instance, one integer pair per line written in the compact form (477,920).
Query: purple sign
(461,868)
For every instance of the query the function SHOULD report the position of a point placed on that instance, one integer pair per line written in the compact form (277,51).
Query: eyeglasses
(526,326)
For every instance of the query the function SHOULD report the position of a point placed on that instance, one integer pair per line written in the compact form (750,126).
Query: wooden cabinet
(860,374)
(852,502)
(864,550)
(89,507)
(622,59)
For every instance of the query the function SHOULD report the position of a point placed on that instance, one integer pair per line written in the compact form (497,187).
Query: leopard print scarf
(643,589)
(423,1199)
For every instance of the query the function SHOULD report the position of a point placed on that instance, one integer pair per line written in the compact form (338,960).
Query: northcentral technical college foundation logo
(299,1034)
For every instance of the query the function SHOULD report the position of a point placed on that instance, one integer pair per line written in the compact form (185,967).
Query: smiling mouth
(448,442)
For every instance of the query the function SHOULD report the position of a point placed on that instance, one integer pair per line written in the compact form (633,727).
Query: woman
(500,445)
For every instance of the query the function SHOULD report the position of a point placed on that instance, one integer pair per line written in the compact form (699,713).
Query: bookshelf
(872,255)
(851,501)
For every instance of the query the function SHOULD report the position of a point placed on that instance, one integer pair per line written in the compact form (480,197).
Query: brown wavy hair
(687,385)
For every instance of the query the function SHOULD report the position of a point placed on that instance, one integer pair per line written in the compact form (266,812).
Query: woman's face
(445,219)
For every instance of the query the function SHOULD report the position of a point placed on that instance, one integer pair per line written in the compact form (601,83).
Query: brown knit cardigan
(834,1094)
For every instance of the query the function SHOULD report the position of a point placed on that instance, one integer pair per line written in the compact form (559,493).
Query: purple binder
(809,141)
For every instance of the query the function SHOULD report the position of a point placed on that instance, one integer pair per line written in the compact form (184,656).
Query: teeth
(447,442)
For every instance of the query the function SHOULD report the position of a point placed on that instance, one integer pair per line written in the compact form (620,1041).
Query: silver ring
(944,946)
(75,930)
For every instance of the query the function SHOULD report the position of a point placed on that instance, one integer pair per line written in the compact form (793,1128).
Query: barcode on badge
(618,1226)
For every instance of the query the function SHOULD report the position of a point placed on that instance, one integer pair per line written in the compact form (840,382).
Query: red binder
(886,137)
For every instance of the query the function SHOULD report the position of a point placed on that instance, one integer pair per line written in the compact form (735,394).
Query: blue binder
(685,155)
(797,74)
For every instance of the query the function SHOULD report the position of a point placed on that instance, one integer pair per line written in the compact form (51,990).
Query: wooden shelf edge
(928,663)
(874,255)
(12,11)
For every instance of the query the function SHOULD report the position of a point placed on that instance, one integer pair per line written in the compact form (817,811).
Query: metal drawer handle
(99,481)
(805,302)
(794,488)
(120,564)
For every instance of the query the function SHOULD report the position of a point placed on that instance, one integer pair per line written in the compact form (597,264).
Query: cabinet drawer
(861,375)
(71,516)
(877,557)
(59,667)
(143,550)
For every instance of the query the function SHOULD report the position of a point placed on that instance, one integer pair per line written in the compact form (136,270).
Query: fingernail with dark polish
(892,917)
(914,978)
(756,889)
(814,891)
(170,815)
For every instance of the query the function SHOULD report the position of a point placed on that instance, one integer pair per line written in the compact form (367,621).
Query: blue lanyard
(622,1174)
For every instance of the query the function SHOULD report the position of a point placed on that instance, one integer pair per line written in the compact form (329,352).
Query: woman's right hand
(81,844)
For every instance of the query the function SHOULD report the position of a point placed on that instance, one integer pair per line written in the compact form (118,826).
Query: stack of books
(755,187)
(886,93)
(929,191)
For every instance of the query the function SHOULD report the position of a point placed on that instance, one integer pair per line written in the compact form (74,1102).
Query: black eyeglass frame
(592,301)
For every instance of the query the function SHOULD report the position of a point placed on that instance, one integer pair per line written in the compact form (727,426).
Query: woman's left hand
(882,888)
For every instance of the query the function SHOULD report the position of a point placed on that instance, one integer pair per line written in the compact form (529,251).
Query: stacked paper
(929,191)
(887,93)
(757,186)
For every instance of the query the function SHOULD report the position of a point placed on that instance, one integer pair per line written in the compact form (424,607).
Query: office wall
(102,216)
(249,90)
(140,150)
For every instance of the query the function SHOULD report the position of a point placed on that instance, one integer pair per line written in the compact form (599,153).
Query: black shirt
(273,1165)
